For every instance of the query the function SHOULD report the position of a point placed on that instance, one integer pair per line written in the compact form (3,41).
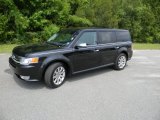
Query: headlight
(27,61)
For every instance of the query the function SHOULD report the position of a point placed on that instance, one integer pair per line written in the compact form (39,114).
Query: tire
(55,75)
(120,62)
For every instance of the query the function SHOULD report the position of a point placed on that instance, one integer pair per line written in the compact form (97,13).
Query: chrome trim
(13,58)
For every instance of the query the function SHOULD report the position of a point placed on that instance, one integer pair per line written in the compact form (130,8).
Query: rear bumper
(30,71)
(130,54)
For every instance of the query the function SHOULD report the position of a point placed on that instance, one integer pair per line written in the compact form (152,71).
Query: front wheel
(120,62)
(55,75)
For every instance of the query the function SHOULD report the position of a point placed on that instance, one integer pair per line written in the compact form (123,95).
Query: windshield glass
(62,38)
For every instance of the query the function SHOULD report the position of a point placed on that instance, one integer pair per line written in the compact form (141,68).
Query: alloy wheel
(59,75)
(122,62)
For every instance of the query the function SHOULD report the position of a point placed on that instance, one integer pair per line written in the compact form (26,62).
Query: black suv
(71,51)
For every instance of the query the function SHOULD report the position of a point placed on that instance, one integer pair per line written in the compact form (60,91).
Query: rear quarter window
(123,36)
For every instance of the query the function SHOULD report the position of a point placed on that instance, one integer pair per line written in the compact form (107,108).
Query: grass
(144,46)
(7,48)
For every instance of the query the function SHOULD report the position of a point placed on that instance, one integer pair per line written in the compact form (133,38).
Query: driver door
(86,57)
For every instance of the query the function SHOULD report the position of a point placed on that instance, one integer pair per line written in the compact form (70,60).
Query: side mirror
(81,45)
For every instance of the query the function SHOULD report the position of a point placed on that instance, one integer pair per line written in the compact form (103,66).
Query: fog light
(25,77)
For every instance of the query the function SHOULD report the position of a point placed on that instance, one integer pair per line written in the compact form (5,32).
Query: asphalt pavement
(103,94)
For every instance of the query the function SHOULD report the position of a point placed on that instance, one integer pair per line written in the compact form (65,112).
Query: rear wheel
(120,62)
(55,75)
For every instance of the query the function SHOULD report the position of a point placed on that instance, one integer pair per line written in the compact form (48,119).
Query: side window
(123,36)
(107,37)
(90,38)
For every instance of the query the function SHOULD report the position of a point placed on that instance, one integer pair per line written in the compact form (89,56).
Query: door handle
(117,47)
(96,50)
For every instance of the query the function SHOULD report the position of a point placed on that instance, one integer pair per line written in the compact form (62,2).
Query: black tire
(117,65)
(50,73)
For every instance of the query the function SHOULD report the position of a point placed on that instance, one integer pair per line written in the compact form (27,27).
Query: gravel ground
(103,94)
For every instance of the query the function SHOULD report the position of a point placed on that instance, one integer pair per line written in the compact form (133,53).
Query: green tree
(26,20)
(35,20)
(100,13)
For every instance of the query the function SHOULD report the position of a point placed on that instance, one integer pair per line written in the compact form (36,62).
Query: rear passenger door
(107,46)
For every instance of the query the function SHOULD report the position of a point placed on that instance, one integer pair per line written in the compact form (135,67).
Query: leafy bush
(34,21)
(50,30)
(78,21)
(26,21)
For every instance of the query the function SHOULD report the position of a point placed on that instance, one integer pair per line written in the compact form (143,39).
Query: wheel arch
(124,51)
(50,61)
(66,65)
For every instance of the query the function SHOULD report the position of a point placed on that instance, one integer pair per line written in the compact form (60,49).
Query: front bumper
(22,71)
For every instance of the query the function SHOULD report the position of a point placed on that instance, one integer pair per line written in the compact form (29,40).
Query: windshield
(62,38)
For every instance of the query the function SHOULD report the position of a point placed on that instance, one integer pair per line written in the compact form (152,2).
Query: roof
(91,28)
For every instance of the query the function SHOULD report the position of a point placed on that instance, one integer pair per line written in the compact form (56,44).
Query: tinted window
(107,37)
(90,38)
(123,36)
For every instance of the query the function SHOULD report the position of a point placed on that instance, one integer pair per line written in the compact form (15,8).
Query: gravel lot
(104,94)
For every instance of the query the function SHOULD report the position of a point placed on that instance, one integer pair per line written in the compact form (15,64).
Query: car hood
(24,50)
